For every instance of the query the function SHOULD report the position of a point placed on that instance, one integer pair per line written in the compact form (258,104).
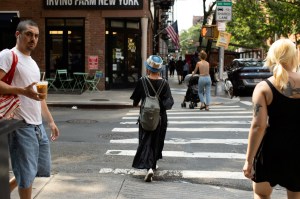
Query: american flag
(172,31)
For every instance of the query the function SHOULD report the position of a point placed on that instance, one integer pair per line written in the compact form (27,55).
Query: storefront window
(74,22)
(117,24)
(133,25)
(55,22)
(64,45)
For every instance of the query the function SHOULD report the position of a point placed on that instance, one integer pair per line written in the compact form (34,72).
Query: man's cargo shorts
(30,154)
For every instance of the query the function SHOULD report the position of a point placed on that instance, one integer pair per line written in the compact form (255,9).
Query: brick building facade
(118,33)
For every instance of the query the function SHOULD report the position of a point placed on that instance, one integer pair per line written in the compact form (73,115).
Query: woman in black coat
(151,143)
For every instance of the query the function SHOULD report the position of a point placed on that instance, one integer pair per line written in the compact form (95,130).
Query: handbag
(9,103)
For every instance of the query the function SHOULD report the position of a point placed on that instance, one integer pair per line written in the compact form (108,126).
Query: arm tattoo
(256,108)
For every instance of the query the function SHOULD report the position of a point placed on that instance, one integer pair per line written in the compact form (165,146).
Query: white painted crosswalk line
(184,141)
(170,129)
(186,174)
(223,118)
(198,113)
(195,110)
(182,154)
(198,122)
(199,117)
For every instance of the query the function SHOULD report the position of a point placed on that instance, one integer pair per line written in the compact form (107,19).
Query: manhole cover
(82,121)
(99,100)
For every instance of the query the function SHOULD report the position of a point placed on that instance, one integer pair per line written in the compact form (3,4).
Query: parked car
(244,74)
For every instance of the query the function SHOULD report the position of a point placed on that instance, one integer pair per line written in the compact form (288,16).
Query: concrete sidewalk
(121,98)
(110,186)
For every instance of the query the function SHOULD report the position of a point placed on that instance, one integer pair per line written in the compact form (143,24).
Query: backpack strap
(157,93)
(10,74)
(145,86)
(161,87)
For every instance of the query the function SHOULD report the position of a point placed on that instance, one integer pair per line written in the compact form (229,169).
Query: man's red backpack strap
(9,76)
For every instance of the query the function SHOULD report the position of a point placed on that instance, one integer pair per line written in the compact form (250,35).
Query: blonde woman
(273,144)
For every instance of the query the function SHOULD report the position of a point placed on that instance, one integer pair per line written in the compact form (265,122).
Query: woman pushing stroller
(204,82)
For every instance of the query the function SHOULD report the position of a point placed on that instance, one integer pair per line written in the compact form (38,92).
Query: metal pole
(220,90)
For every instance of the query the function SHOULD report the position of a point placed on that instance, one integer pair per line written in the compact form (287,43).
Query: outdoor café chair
(51,81)
(92,83)
(64,79)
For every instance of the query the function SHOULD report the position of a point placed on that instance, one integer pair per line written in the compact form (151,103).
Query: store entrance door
(123,58)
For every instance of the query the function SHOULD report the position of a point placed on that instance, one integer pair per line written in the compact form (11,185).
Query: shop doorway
(123,55)
(8,24)
(64,45)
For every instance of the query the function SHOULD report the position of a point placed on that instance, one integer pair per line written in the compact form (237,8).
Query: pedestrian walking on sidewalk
(179,70)
(204,82)
(29,144)
(273,144)
(151,143)
(171,66)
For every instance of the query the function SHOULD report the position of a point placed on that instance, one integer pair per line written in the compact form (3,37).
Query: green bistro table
(80,80)
(6,127)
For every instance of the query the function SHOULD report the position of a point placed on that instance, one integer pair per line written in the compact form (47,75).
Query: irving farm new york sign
(94,4)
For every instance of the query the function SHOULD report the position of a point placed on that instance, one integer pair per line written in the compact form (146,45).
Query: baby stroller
(191,94)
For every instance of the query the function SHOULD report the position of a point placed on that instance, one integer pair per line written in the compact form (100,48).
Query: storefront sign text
(96,4)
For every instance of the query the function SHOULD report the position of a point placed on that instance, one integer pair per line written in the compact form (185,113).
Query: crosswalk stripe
(187,174)
(182,154)
(247,103)
(188,129)
(199,113)
(219,116)
(199,117)
(198,122)
(183,110)
(185,141)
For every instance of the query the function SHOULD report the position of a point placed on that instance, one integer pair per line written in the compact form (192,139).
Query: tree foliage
(283,17)
(189,38)
(248,27)
(254,22)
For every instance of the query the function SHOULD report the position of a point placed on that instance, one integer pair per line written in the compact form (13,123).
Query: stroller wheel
(183,105)
(191,106)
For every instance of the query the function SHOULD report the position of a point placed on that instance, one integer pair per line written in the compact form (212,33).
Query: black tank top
(283,112)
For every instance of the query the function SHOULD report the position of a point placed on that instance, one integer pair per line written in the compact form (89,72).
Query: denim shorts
(30,154)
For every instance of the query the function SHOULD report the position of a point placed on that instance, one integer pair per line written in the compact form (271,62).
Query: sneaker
(149,175)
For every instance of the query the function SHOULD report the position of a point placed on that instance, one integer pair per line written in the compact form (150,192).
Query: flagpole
(159,32)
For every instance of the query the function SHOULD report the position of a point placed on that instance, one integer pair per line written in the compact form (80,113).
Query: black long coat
(151,143)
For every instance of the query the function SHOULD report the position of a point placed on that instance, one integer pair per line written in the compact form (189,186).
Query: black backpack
(150,109)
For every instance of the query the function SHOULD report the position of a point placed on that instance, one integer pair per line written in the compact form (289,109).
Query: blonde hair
(281,58)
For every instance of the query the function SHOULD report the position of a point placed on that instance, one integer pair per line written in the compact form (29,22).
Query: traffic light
(209,31)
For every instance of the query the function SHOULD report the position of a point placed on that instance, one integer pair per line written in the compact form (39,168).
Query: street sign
(223,40)
(224,10)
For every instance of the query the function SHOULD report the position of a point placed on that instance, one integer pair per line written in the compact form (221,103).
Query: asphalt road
(87,136)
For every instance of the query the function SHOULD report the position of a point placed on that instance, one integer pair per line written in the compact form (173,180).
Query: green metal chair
(51,81)
(64,79)
(92,83)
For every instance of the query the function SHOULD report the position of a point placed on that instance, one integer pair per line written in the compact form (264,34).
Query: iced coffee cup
(42,89)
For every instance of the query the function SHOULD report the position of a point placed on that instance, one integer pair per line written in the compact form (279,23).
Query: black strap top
(283,111)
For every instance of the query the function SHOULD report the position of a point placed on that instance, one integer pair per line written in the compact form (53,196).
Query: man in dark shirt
(179,70)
